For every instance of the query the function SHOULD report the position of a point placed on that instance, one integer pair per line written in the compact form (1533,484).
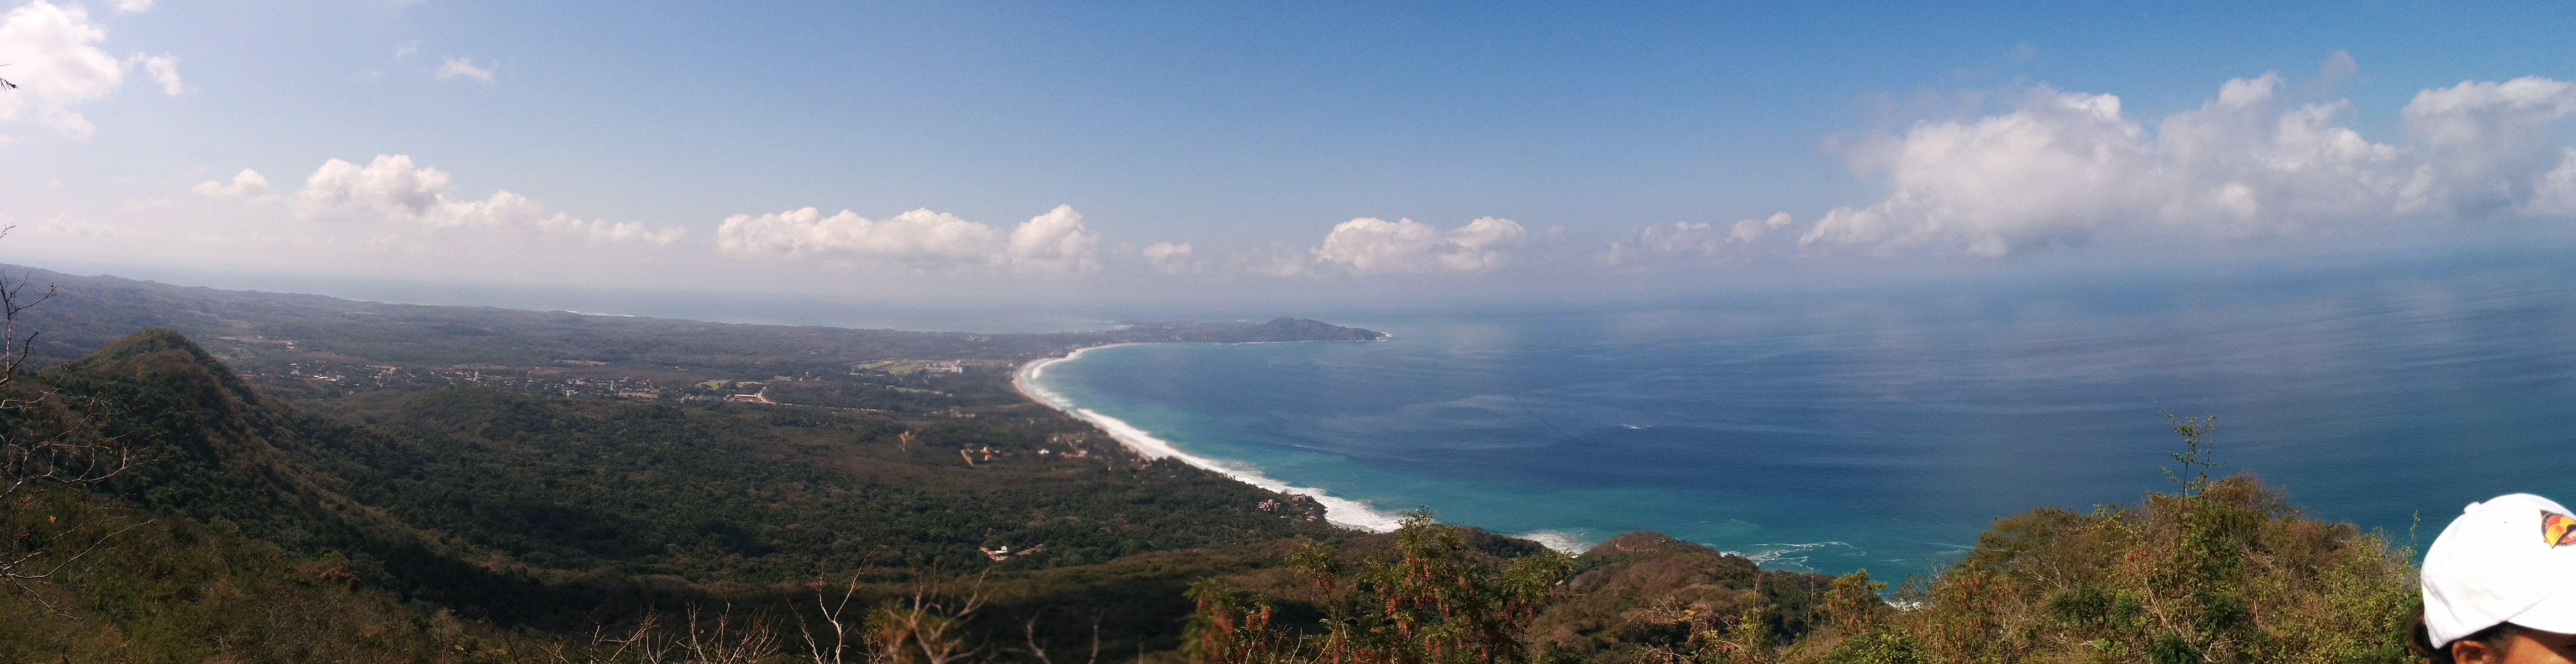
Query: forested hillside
(572,492)
(533,511)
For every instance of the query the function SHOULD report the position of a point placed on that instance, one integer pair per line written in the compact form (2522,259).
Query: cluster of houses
(359,376)
(987,454)
(288,344)
(1289,509)
(1004,552)
(916,367)
(987,451)
(1071,440)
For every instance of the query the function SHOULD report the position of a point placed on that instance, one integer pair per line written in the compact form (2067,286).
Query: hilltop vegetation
(2222,570)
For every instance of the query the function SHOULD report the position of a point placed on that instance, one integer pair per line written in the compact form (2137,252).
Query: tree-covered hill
(535,512)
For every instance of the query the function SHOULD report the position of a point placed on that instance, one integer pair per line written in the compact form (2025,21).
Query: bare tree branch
(835,616)
(47,438)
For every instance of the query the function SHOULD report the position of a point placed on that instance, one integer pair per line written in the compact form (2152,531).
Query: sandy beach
(1339,511)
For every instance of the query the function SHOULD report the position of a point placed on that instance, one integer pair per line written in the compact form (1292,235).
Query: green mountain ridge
(224,456)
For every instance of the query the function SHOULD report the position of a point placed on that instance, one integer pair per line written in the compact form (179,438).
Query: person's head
(2500,585)
(2487,646)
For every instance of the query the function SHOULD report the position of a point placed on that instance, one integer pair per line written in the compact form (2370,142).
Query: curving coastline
(1340,511)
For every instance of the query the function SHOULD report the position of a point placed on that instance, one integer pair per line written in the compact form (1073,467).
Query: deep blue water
(1886,428)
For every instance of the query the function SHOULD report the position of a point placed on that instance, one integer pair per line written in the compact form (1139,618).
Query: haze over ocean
(1884,429)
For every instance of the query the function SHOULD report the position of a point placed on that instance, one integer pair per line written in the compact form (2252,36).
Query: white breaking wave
(1792,557)
(1340,511)
(1560,541)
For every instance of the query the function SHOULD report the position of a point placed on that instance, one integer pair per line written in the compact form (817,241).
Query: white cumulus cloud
(164,69)
(1054,242)
(1163,251)
(1368,246)
(1171,258)
(1051,243)
(2070,168)
(391,189)
(246,184)
(456,67)
(54,58)
(2555,194)
(2483,143)
(919,236)
(132,6)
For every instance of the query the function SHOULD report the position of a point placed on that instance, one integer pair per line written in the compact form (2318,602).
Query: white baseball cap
(2509,559)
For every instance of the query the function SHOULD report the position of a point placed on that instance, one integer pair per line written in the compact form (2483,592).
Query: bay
(1885,428)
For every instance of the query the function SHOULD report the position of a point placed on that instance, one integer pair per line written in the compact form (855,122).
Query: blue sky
(1076,150)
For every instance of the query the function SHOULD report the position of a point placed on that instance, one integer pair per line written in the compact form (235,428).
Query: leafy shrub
(2223,570)
(1435,600)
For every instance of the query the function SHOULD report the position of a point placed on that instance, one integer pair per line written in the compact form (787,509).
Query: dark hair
(2419,638)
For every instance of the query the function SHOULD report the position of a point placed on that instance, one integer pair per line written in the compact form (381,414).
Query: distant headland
(1277,330)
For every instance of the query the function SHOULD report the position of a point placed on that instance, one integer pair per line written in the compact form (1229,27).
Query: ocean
(1885,428)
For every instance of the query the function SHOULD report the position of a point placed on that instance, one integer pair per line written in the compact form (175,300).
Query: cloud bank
(1052,243)
(2069,168)
(2047,169)
(1058,243)
(1700,240)
(74,226)
(390,189)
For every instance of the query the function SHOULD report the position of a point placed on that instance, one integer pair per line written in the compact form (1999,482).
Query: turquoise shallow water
(1886,429)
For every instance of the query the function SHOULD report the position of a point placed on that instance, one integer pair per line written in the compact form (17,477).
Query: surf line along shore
(1339,511)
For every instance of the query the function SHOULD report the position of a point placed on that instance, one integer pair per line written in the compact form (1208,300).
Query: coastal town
(258,359)
(354,377)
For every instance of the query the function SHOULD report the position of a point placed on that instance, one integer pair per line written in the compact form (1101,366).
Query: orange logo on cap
(2557,529)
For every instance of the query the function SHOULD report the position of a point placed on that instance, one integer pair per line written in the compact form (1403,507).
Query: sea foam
(1341,511)
(1793,557)
(1560,541)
